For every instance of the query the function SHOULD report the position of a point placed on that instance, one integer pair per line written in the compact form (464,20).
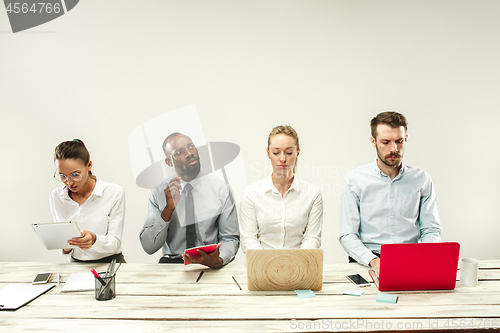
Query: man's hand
(212,260)
(85,242)
(172,195)
(375,264)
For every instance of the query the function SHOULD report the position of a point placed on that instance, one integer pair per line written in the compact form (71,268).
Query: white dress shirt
(103,213)
(269,220)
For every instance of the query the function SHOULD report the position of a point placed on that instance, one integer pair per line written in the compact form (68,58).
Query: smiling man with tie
(190,210)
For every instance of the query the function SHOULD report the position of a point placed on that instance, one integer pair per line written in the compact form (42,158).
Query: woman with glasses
(98,207)
(281,211)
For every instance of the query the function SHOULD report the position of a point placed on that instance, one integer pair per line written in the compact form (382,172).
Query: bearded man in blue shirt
(387,201)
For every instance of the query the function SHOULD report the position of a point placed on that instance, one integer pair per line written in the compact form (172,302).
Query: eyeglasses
(75,176)
(182,150)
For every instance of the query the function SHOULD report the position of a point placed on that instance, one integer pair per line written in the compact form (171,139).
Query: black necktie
(190,222)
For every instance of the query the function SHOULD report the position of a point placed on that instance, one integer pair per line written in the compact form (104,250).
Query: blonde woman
(281,211)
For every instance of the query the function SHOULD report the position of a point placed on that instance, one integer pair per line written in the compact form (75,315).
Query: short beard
(396,162)
(193,171)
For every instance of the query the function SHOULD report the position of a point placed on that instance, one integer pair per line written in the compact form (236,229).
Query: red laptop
(417,266)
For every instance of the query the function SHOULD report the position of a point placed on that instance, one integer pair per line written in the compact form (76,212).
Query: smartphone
(41,278)
(358,280)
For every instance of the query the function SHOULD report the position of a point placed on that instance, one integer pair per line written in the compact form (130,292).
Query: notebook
(285,269)
(79,282)
(418,266)
(13,296)
(194,251)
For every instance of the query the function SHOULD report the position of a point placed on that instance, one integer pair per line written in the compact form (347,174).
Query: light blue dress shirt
(215,213)
(376,210)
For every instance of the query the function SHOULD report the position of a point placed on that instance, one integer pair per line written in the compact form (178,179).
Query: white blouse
(271,221)
(103,213)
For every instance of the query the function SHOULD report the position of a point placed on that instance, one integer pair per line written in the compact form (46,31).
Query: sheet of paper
(305,293)
(13,296)
(352,292)
(79,282)
(387,298)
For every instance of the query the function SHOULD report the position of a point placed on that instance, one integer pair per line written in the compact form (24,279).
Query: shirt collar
(269,185)
(195,182)
(98,189)
(381,174)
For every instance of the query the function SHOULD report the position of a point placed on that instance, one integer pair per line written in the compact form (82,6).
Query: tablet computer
(56,235)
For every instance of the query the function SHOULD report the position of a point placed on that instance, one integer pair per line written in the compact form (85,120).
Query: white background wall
(324,67)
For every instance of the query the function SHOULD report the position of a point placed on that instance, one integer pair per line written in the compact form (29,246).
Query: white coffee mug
(468,272)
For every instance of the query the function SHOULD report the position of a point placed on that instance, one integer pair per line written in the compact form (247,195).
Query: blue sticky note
(305,293)
(387,298)
(351,292)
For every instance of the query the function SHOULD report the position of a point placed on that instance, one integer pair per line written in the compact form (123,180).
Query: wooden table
(158,298)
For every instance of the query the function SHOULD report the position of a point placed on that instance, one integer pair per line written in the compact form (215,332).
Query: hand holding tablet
(56,235)
(206,255)
(85,241)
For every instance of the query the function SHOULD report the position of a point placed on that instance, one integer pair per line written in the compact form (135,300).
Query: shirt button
(392,200)
(392,234)
(392,217)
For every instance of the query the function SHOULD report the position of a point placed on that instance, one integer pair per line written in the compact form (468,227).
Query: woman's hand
(85,242)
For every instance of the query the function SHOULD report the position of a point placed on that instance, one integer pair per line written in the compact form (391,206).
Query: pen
(115,269)
(199,276)
(110,267)
(236,282)
(106,289)
(98,277)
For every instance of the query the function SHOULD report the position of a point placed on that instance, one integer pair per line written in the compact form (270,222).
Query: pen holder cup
(105,289)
